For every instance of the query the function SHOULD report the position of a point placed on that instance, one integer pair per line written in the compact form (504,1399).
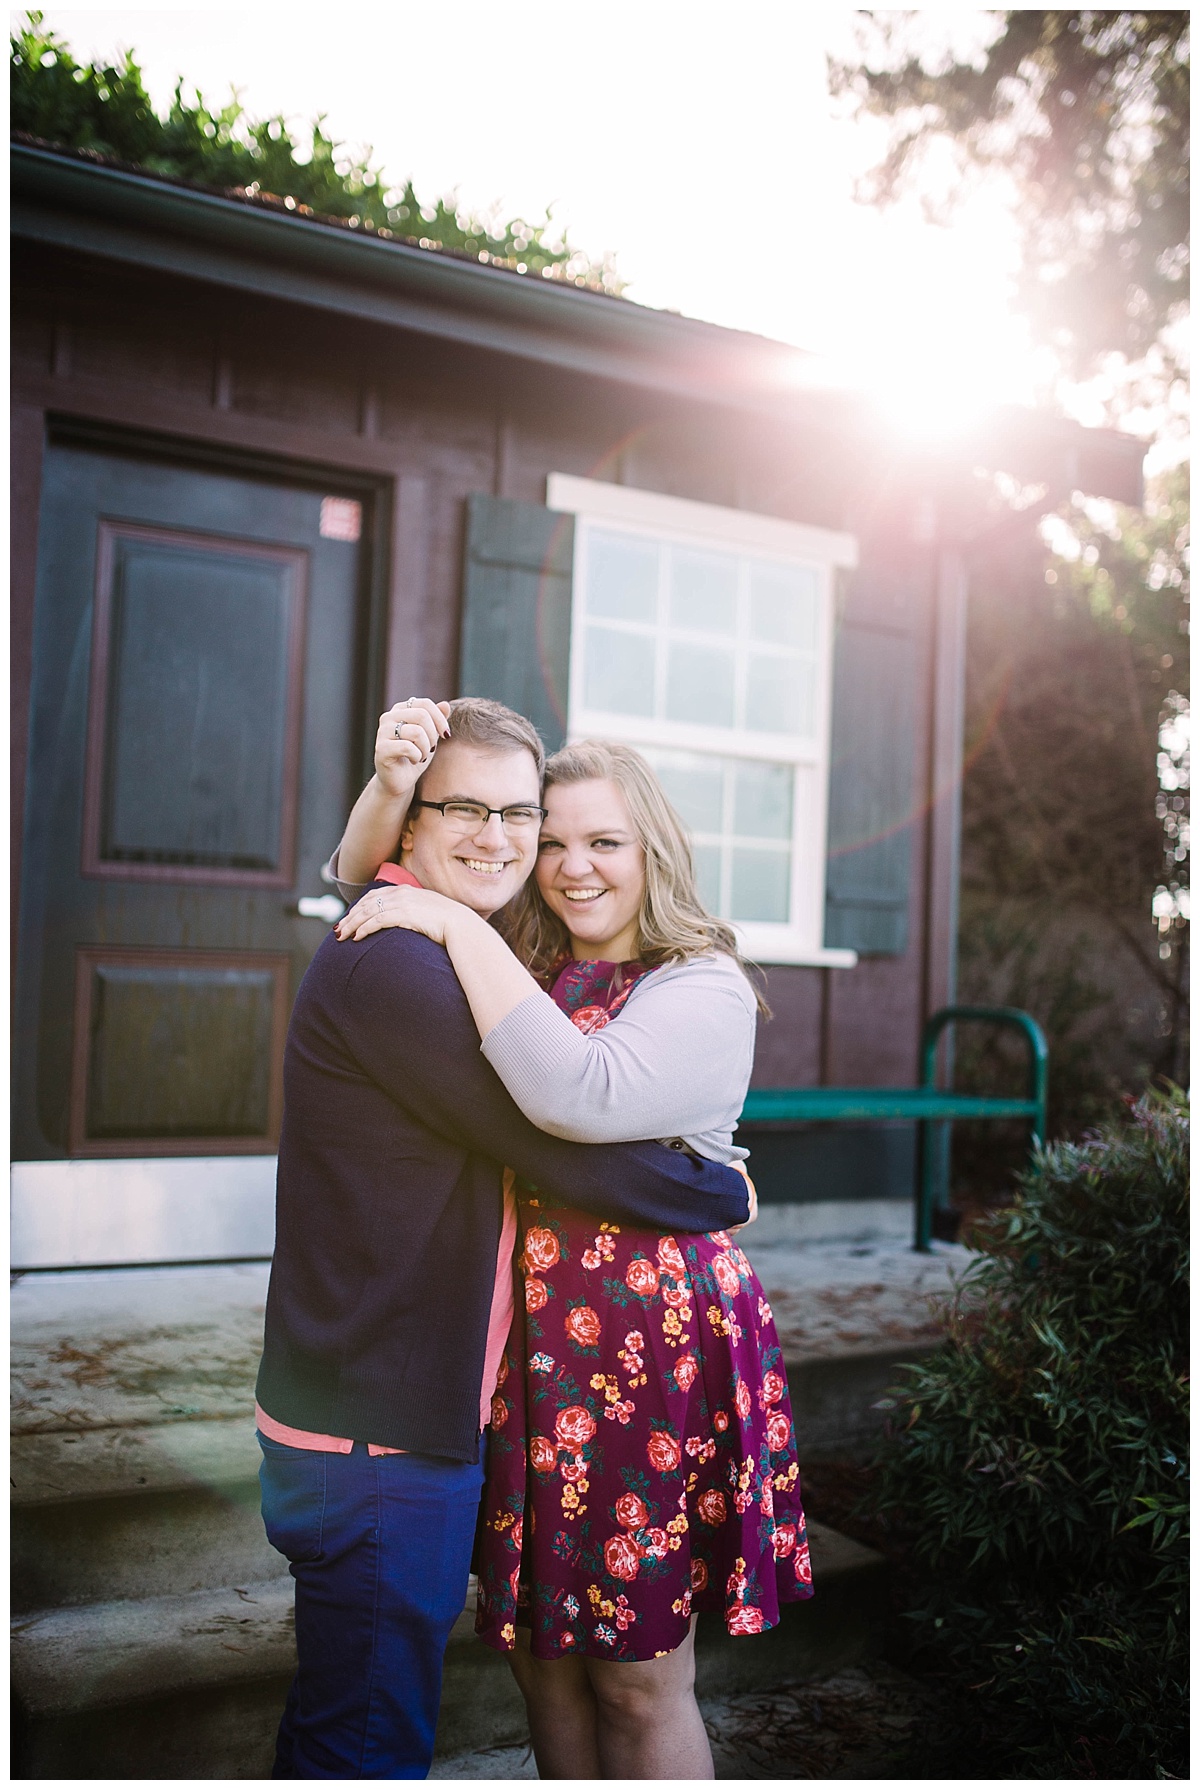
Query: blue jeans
(380,1549)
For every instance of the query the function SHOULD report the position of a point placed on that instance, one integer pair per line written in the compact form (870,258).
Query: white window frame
(686,523)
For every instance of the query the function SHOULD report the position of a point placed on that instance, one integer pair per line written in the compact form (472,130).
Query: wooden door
(194,741)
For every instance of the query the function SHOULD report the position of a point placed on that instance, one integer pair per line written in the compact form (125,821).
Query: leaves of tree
(1086,114)
(1074,815)
(1072,659)
(104,108)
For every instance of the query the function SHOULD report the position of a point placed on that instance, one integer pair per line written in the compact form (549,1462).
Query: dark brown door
(194,740)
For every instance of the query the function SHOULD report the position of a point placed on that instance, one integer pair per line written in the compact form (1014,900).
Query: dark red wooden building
(272,473)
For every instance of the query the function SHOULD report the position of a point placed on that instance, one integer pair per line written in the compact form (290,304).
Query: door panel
(194,746)
(177,1052)
(198,647)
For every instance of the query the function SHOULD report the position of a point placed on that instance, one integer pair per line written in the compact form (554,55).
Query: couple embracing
(525,1049)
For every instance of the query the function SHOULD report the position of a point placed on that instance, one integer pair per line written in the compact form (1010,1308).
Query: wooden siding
(222,371)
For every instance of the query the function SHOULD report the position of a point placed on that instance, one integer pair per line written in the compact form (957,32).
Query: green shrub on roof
(1038,1464)
(105,109)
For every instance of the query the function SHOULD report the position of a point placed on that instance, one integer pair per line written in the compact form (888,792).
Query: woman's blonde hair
(673,923)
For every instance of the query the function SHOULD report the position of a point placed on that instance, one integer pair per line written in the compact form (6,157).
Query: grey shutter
(872,777)
(516,630)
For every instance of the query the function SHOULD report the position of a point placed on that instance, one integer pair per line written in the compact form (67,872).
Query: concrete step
(105,1349)
(104,1655)
(156,1510)
(849,1314)
(103,1549)
(184,1686)
(192,1685)
(153,1637)
(835,1399)
(139,1512)
(62,1466)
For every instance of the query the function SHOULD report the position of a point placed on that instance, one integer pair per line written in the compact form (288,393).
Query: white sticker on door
(341,518)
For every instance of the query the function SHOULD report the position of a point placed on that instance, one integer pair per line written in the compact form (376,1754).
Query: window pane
(760,885)
(708,875)
(783,604)
(779,695)
(694,786)
(622,578)
(619,672)
(762,800)
(700,684)
(703,592)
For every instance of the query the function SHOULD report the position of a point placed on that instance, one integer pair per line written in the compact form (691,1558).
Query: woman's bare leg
(649,1724)
(561,1706)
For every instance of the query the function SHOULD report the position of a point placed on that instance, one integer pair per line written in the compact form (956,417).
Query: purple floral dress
(642,1459)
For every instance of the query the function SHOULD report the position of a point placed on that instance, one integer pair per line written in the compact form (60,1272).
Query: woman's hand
(418,910)
(493,981)
(742,1170)
(406,742)
(404,747)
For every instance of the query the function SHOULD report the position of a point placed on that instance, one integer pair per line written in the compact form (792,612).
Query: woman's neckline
(606,963)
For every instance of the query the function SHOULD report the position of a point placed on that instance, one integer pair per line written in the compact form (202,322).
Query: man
(390,1289)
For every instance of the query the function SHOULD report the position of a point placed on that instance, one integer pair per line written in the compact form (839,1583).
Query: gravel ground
(866,1722)
(861,1723)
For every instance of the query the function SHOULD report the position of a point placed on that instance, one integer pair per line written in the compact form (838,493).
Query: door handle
(320,907)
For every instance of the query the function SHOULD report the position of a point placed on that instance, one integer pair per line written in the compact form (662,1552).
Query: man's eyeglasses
(473,816)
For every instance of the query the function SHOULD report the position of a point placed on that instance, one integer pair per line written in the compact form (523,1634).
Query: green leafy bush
(105,109)
(1038,1463)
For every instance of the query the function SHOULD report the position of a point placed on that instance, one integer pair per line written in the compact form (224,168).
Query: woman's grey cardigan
(673,1063)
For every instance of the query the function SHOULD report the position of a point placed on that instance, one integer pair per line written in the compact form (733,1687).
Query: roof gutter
(70,203)
(134,218)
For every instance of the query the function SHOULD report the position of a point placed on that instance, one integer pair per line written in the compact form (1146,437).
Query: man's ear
(406,836)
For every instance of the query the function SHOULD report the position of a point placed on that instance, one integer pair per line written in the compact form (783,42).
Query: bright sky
(695,140)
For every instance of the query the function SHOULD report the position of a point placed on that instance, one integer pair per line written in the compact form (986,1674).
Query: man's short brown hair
(478,721)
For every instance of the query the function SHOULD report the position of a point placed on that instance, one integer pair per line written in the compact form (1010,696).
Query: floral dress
(642,1459)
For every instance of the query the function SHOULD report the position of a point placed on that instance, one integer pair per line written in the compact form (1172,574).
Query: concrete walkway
(862,1293)
(107,1361)
(123,1347)
(115,1348)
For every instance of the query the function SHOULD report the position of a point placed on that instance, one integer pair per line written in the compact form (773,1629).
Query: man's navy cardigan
(388,1201)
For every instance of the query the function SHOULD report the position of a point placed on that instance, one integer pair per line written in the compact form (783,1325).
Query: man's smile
(484,867)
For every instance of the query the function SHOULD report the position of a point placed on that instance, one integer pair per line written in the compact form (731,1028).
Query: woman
(642,1461)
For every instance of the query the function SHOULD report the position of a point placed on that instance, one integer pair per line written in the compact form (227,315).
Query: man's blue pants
(380,1549)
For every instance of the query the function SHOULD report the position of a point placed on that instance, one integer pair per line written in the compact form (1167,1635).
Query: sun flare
(929,332)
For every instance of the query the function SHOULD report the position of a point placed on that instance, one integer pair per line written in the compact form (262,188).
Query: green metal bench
(929,1105)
